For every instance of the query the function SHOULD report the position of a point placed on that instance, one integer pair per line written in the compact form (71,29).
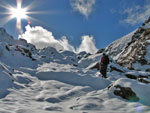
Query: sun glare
(18,13)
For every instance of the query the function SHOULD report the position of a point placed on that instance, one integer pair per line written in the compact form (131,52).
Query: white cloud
(137,14)
(43,38)
(64,42)
(88,45)
(85,7)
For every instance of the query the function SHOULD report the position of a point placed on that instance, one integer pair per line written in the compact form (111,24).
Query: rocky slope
(132,51)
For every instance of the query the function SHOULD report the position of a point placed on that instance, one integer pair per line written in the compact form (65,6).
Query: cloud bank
(43,38)
(85,7)
(137,14)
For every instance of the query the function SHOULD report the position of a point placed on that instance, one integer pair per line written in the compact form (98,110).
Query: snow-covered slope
(52,81)
(6,80)
(115,48)
(136,54)
(132,50)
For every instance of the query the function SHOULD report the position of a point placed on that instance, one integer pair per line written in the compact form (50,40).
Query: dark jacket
(104,60)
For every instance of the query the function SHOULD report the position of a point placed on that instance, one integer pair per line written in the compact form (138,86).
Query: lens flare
(139,109)
(19,13)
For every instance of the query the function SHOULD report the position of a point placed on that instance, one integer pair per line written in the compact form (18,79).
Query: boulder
(125,93)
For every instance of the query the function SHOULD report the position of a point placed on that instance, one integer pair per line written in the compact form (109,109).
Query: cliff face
(136,53)
(132,50)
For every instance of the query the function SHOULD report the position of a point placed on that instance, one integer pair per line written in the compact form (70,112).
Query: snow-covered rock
(16,55)
(131,90)
(115,48)
(135,55)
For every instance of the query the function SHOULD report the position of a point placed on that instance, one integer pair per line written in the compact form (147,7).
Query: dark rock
(141,30)
(96,66)
(79,58)
(23,54)
(143,81)
(142,61)
(130,76)
(146,32)
(7,48)
(109,87)
(147,21)
(25,51)
(142,76)
(87,55)
(100,51)
(75,65)
(43,56)
(147,70)
(115,69)
(53,100)
(126,93)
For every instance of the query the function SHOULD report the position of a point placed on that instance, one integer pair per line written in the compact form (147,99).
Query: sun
(18,13)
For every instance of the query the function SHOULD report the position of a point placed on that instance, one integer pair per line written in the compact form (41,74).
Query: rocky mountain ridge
(133,52)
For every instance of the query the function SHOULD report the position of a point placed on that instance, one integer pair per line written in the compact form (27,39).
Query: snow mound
(141,90)
(70,75)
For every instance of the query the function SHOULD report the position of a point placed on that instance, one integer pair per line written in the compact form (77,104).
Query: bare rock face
(132,50)
(136,50)
(140,78)
(126,93)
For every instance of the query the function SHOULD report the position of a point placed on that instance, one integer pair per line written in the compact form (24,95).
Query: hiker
(104,61)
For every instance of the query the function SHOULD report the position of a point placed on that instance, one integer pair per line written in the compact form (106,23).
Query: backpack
(105,59)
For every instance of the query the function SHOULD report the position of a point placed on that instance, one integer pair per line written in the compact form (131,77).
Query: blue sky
(104,20)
